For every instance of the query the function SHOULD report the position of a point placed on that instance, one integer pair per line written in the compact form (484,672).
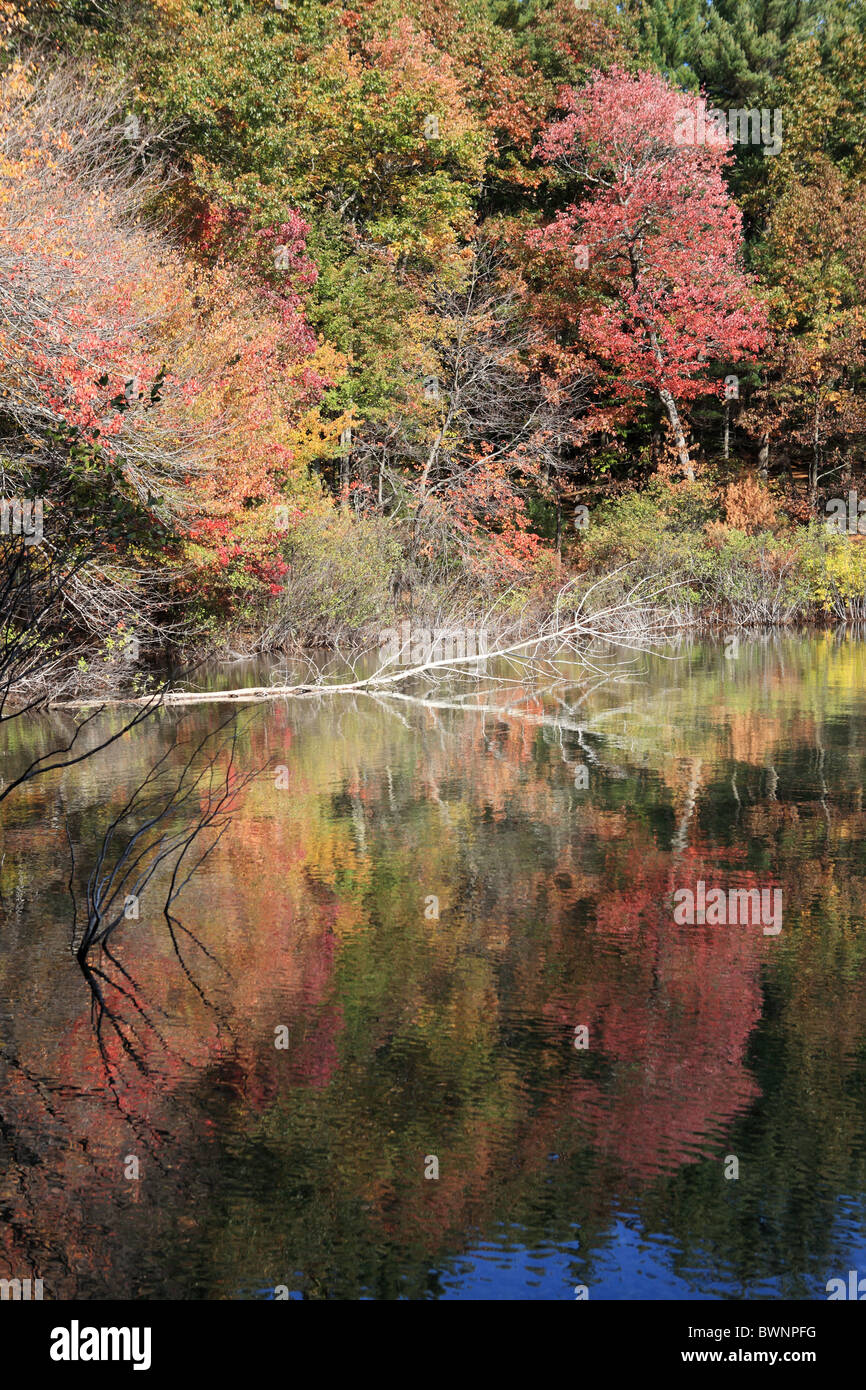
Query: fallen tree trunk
(620,623)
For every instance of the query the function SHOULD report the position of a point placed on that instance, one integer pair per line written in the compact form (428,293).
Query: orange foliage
(749,505)
(99,312)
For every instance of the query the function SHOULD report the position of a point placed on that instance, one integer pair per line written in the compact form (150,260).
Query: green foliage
(670,33)
(744,46)
(767,577)
(646,526)
(339,575)
(835,568)
(369,136)
(735,49)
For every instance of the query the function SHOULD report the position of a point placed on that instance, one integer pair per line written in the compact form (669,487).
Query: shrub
(657,528)
(749,505)
(835,566)
(340,571)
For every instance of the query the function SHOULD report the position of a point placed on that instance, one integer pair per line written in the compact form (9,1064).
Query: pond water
(423,1023)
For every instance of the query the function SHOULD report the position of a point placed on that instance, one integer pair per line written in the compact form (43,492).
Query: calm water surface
(550,840)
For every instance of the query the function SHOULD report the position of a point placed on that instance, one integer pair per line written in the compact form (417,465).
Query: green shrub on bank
(341,576)
(677,535)
(834,566)
(642,527)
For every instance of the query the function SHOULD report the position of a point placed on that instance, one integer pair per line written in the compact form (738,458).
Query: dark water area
(436,939)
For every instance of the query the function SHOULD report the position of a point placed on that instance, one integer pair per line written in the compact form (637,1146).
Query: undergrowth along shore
(672,539)
(652,565)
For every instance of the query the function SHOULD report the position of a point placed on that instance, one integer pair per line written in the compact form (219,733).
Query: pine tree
(734,49)
(670,33)
(742,50)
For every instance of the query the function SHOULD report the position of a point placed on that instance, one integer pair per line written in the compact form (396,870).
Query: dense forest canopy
(312,311)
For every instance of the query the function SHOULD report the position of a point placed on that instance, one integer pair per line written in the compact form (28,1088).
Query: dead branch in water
(631,621)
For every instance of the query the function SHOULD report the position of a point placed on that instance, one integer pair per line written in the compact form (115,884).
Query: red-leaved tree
(654,243)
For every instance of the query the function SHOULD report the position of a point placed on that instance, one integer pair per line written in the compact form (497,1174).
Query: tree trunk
(670,405)
(558,500)
(656,448)
(679,437)
(727,437)
(813,464)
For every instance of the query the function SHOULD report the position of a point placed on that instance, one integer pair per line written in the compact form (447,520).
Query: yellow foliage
(839,576)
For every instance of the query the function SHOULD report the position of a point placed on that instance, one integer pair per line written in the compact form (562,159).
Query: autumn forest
(432,673)
(314,315)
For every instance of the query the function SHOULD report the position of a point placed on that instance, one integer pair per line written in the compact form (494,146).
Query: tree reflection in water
(410,1036)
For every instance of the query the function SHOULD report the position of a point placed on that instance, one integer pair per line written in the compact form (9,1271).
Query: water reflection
(412,1033)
